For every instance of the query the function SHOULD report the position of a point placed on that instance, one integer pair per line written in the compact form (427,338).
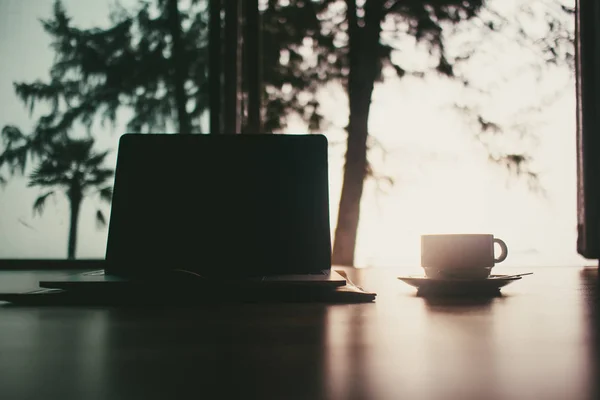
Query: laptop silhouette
(234,207)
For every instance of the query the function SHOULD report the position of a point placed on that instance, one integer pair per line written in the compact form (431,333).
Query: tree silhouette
(347,43)
(151,60)
(145,62)
(309,44)
(75,169)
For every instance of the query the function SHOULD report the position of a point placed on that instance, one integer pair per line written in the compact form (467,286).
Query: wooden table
(538,341)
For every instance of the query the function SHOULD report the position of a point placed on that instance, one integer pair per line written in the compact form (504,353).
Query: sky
(443,180)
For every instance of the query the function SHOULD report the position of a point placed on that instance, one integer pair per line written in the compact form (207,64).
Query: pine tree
(308,44)
(146,61)
(347,45)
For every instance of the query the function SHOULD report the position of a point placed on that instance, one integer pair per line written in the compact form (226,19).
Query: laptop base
(97,279)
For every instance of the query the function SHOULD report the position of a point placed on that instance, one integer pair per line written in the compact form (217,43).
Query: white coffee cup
(461,256)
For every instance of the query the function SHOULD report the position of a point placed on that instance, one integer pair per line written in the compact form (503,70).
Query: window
(431,137)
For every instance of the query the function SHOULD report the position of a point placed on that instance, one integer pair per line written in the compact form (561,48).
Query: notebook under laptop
(235,207)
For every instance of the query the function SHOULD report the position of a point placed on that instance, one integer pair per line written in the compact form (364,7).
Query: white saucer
(492,283)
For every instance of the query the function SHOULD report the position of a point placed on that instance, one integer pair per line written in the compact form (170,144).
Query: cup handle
(504,250)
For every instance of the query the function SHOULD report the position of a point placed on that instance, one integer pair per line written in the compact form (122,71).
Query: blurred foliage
(128,65)
(97,72)
(306,45)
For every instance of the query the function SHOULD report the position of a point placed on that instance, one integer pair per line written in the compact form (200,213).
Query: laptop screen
(224,205)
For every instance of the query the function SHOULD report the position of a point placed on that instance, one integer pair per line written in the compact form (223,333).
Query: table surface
(538,341)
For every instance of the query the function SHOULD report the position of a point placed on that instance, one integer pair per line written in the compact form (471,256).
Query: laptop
(244,208)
